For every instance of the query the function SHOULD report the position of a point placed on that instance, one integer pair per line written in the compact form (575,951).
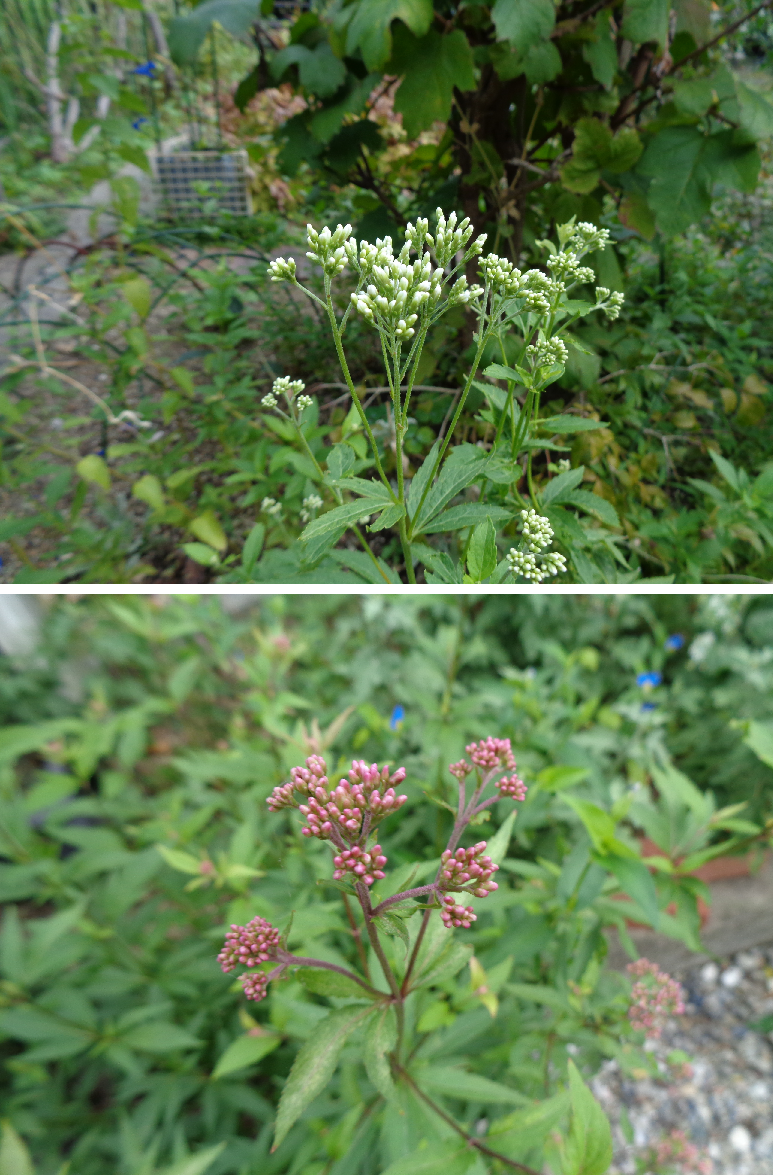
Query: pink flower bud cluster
(461,769)
(246,946)
(346,806)
(468,869)
(254,984)
(491,752)
(654,997)
(456,916)
(677,1150)
(365,865)
(512,786)
(374,777)
(306,780)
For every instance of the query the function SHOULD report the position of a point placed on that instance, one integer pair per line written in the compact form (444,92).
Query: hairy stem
(357,936)
(299,961)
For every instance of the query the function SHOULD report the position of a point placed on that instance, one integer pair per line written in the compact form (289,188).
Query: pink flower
(461,769)
(364,866)
(654,997)
(512,786)
(456,916)
(491,752)
(468,870)
(675,1149)
(254,984)
(303,779)
(246,946)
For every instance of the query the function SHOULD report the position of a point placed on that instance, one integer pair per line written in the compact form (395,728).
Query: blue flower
(138,123)
(648,706)
(674,642)
(396,721)
(147,70)
(648,680)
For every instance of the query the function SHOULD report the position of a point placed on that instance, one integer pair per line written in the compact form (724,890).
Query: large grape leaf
(523,22)
(369,26)
(646,20)
(432,67)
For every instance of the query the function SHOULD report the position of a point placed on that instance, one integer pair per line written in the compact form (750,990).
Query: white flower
(283,269)
(303,402)
(331,250)
(701,647)
(284,386)
(271,506)
(547,351)
(531,563)
(269,400)
(310,504)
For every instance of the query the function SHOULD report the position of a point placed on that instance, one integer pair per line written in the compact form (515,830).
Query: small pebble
(709,974)
(740,1140)
(57,423)
(759,1090)
(732,977)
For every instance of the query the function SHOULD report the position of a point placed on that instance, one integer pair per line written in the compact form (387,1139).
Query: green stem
(407,556)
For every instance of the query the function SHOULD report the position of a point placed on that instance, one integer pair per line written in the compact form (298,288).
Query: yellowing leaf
(94,469)
(148,489)
(14,1156)
(182,862)
(755,386)
(729,399)
(685,419)
(139,295)
(207,528)
(751,409)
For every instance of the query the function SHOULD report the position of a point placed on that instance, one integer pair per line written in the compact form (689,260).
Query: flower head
(254,984)
(674,642)
(247,946)
(282,269)
(351,809)
(654,997)
(468,870)
(328,248)
(457,916)
(398,717)
(491,752)
(648,680)
(512,786)
(364,865)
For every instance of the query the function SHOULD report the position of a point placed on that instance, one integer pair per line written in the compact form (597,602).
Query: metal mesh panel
(188,180)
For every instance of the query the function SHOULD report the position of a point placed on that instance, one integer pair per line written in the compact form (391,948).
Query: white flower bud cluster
(609,303)
(567,265)
(451,239)
(303,402)
(269,400)
(547,351)
(284,386)
(398,288)
(586,238)
(329,249)
(283,269)
(271,506)
(531,563)
(536,289)
(310,504)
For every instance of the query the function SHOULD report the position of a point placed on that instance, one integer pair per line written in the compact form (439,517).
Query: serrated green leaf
(432,68)
(467,514)
(569,424)
(314,1066)
(15,1159)
(182,862)
(159,1036)
(482,551)
(559,488)
(523,22)
(636,881)
(380,1039)
(337,520)
(468,1087)
(323,982)
(393,925)
(448,963)
(588,1148)
(94,469)
(420,479)
(245,1050)
(594,504)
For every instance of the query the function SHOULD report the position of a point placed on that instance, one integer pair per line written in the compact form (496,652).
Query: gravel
(722,1101)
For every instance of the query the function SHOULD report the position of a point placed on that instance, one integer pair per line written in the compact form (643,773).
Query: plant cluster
(143,740)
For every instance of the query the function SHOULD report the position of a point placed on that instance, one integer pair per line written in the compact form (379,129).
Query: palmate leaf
(523,22)
(432,67)
(314,1066)
(370,26)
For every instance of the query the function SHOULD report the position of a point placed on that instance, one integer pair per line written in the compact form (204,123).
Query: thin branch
(404,897)
(299,961)
(470,1139)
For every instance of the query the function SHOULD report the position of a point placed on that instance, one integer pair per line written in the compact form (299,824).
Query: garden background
(135,444)
(141,737)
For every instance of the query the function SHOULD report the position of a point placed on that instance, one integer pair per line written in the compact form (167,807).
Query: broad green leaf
(149,489)
(498,845)
(594,504)
(635,880)
(728,471)
(596,149)
(539,993)
(14,1157)
(94,469)
(337,520)
(559,488)
(182,862)
(646,20)
(340,460)
(253,546)
(568,424)
(432,68)
(195,1164)
(323,982)
(139,295)
(245,1050)
(314,1066)
(389,517)
(759,738)
(523,22)
(600,826)
(380,1039)
(159,1036)
(588,1148)
(201,553)
(469,1087)
(464,465)
(393,925)
(369,26)
(445,1159)
(451,959)
(467,514)
(186,33)
(420,479)
(601,52)
(756,111)
(207,528)
(530,1126)
(482,551)
(558,776)
(511,374)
